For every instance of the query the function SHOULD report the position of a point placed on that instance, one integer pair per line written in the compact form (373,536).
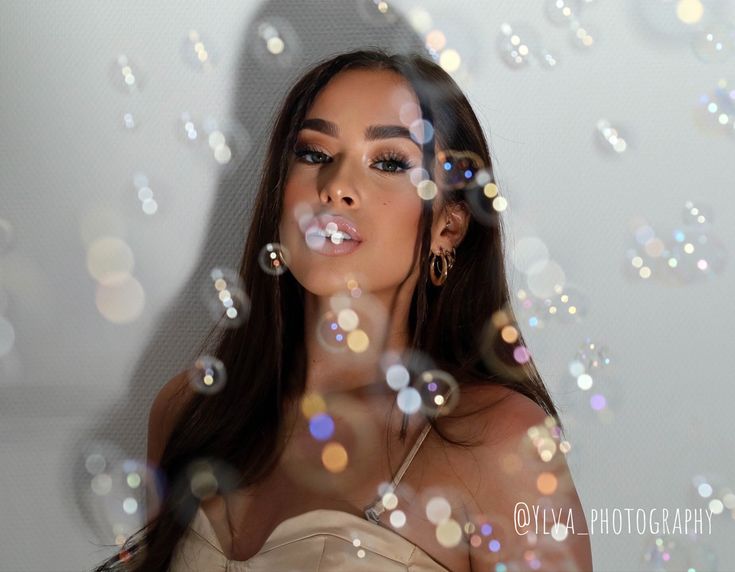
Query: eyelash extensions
(389,156)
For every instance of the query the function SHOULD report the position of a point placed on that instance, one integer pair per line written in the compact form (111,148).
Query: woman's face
(352,161)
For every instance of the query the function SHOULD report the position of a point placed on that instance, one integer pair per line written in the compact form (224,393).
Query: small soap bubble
(377,12)
(321,426)
(397,518)
(198,51)
(530,253)
(225,298)
(519,44)
(272,258)
(567,305)
(438,510)
(408,400)
(124,495)
(334,457)
(207,375)
(663,553)
(593,355)
(695,254)
(610,137)
(188,129)
(275,43)
(129,121)
(718,109)
(125,75)
(330,334)
(697,214)
(227,140)
(562,12)
(581,36)
(439,392)
(714,43)
(422,131)
(513,44)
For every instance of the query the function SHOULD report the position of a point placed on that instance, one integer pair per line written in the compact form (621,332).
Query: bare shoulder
(516,458)
(492,414)
(165,410)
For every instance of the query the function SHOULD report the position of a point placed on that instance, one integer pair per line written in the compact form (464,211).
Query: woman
(376,194)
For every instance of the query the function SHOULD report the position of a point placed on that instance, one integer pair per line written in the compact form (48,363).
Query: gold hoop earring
(447,261)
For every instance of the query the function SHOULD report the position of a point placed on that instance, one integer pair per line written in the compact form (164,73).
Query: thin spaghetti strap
(376,508)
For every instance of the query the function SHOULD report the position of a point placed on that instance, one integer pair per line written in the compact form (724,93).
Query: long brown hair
(243,425)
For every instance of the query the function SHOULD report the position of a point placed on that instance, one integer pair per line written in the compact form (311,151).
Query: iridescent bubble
(568,305)
(207,375)
(334,457)
(461,170)
(581,37)
(401,368)
(397,519)
(109,260)
(124,495)
(713,493)
(530,252)
(696,255)
(718,108)
(503,353)
(513,44)
(408,400)
(438,510)
(714,43)
(377,12)
(208,477)
(610,137)
(225,297)
(329,334)
(321,426)
(546,280)
(592,355)
(421,131)
(129,122)
(532,309)
(125,75)
(562,12)
(272,258)
(198,52)
(397,377)
(663,553)
(120,301)
(275,43)
(7,235)
(228,141)
(439,392)
(697,214)
(449,533)
(188,129)
(518,44)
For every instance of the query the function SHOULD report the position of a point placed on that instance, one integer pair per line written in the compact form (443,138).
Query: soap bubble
(207,375)
(225,297)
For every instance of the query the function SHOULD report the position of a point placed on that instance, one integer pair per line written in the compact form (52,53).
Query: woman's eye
(303,155)
(394,165)
(390,163)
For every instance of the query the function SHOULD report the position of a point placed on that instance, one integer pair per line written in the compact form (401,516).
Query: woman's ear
(449,227)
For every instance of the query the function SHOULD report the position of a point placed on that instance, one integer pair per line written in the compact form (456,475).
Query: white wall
(74,377)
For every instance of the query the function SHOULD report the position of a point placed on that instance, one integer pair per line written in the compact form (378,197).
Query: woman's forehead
(370,96)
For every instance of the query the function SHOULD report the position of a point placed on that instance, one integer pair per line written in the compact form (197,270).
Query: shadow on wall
(319,29)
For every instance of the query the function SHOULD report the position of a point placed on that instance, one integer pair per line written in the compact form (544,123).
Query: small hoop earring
(447,261)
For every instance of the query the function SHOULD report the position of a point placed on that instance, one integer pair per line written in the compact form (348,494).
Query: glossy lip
(325,246)
(343,224)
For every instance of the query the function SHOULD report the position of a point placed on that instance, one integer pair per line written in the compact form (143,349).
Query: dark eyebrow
(372,133)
